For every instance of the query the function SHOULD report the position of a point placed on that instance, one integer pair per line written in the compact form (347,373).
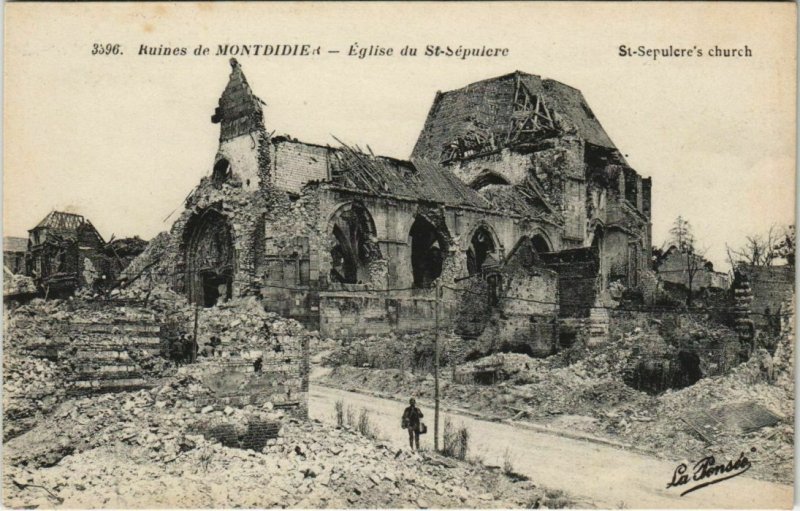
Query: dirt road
(606,476)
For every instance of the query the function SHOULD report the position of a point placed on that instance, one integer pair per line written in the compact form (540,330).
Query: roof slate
(489,104)
(419,180)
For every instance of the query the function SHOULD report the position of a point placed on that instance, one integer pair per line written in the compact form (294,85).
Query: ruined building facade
(354,243)
(65,252)
(519,135)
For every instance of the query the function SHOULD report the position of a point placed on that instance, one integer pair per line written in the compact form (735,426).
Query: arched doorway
(428,250)
(480,247)
(209,259)
(353,245)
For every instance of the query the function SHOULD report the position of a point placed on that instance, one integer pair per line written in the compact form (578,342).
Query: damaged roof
(58,220)
(420,180)
(67,224)
(520,200)
(489,105)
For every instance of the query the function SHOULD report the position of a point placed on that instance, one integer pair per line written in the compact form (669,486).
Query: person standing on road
(411,422)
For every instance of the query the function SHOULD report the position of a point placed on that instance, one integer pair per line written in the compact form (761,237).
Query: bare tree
(784,247)
(758,250)
(682,237)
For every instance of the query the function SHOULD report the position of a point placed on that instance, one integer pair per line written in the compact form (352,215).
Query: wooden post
(196,313)
(436,372)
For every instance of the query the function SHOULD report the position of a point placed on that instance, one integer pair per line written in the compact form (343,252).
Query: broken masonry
(512,181)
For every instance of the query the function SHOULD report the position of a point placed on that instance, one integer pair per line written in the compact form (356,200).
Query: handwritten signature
(707,472)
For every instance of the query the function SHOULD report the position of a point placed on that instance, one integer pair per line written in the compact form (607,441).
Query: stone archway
(353,245)
(209,258)
(482,244)
(429,249)
(540,244)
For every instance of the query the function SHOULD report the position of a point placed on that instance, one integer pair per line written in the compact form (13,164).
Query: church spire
(239,111)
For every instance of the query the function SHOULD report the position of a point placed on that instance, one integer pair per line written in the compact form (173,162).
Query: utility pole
(436,371)
(196,313)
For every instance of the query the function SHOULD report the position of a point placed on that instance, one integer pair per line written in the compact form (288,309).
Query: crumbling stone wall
(578,280)
(528,307)
(299,164)
(698,335)
(512,166)
(249,356)
(279,199)
(288,275)
(393,219)
(513,308)
(770,286)
(353,314)
(242,210)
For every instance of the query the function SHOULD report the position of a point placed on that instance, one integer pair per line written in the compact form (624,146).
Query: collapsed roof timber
(353,243)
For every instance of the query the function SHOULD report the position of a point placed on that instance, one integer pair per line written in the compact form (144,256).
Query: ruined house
(353,243)
(65,252)
(685,270)
(14,254)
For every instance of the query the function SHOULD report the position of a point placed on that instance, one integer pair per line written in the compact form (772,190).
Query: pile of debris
(243,324)
(32,387)
(123,451)
(412,351)
(575,381)
(56,347)
(238,325)
(584,389)
(15,284)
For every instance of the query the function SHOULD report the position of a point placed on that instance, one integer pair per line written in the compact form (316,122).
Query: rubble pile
(152,262)
(16,284)
(31,387)
(575,381)
(583,389)
(717,345)
(239,325)
(412,351)
(152,448)
(243,324)
(764,380)
(663,430)
(53,347)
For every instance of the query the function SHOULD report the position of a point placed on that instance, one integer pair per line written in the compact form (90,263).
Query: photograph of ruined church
(261,352)
(512,181)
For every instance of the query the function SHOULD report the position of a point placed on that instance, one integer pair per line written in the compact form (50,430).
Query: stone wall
(771,287)
(234,381)
(510,165)
(578,280)
(243,160)
(297,164)
(251,356)
(353,313)
(529,310)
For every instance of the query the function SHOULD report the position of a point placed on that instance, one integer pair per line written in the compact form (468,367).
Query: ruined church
(512,181)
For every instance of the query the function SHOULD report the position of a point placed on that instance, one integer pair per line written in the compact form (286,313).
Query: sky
(122,139)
